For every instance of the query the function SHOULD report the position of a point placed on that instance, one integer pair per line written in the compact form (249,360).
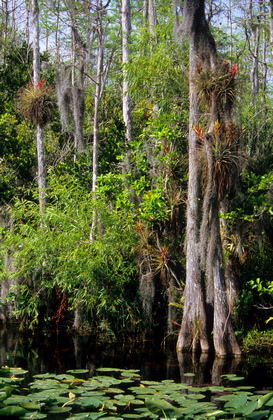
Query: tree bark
(40,144)
(149,15)
(255,36)
(98,94)
(77,81)
(206,312)
(271,28)
(126,100)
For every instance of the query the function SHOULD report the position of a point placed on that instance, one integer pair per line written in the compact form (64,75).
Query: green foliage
(158,72)
(257,341)
(15,72)
(17,154)
(153,208)
(54,250)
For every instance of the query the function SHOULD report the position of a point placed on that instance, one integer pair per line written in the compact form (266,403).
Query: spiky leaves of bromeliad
(226,158)
(216,84)
(37,103)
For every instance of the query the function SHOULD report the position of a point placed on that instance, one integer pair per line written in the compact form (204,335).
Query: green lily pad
(127,397)
(129,375)
(18,371)
(142,390)
(16,400)
(137,402)
(13,380)
(237,401)
(12,410)
(46,384)
(196,396)
(77,371)
(259,415)
(114,390)
(91,402)
(111,418)
(92,393)
(162,408)
(225,397)
(150,383)
(44,376)
(236,378)
(88,415)
(63,377)
(33,416)
(30,406)
(59,410)
(110,405)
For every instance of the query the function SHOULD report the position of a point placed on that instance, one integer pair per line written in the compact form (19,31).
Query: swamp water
(78,377)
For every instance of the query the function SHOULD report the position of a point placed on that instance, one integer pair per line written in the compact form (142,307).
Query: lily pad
(33,416)
(30,406)
(162,408)
(77,371)
(46,384)
(18,371)
(12,410)
(114,390)
(91,402)
(63,377)
(196,396)
(106,369)
(44,375)
(58,410)
(88,415)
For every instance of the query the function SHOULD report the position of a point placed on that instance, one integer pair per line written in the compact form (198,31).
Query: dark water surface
(57,353)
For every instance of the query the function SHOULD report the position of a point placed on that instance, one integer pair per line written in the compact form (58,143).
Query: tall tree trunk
(205,308)
(271,28)
(40,144)
(77,80)
(126,100)
(98,94)
(149,15)
(255,36)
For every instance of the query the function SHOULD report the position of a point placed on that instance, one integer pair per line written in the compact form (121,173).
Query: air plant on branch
(225,155)
(37,103)
(216,84)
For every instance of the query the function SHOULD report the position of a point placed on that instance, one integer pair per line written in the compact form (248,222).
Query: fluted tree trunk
(206,323)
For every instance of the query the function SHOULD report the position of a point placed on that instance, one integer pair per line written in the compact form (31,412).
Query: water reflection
(206,369)
(57,353)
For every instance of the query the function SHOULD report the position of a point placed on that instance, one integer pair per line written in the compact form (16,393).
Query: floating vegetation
(67,396)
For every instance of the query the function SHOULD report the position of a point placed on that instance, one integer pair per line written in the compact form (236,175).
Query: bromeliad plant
(37,103)
(119,394)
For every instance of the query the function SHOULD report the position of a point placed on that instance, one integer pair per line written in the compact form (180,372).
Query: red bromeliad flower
(234,71)
(199,132)
(41,84)
(166,149)
(139,227)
